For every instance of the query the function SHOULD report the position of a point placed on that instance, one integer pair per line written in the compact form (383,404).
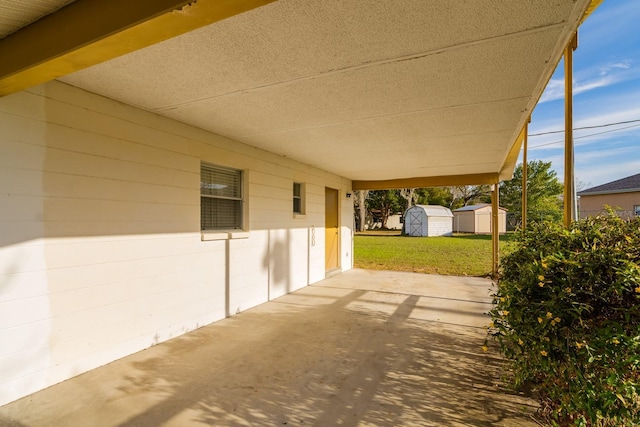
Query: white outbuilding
(428,220)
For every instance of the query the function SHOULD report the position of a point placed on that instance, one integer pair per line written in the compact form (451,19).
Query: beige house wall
(101,253)
(591,205)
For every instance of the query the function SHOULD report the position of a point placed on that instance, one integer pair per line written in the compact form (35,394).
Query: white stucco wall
(100,245)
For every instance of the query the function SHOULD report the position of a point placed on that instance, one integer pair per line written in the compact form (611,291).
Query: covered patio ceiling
(388,94)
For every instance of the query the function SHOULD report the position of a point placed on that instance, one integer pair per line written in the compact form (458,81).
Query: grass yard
(460,255)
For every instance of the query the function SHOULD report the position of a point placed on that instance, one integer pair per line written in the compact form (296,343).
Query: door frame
(333,269)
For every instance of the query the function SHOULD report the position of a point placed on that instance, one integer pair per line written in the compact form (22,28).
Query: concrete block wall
(101,252)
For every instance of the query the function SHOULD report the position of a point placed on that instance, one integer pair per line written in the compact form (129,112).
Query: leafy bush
(567,317)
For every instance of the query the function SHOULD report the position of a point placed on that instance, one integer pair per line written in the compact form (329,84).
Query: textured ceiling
(367,90)
(15,14)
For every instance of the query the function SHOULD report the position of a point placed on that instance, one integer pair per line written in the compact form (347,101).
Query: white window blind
(220,198)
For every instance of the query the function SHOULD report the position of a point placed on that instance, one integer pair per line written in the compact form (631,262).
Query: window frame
(236,230)
(301,197)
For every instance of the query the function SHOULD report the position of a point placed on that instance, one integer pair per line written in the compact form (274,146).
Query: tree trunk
(385,217)
(409,194)
(360,197)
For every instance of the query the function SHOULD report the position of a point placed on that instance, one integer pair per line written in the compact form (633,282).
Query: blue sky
(606,86)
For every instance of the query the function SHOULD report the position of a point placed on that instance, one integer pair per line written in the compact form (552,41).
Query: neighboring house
(374,221)
(623,195)
(477,219)
(428,221)
(164,165)
(394,222)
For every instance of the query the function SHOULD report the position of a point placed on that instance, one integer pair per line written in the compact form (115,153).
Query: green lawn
(459,255)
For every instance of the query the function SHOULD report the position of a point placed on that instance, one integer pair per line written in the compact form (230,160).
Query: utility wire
(586,127)
(587,136)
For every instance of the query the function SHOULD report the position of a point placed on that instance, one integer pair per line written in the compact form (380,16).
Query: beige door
(331,235)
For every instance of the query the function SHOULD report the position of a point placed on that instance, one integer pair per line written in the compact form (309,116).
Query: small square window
(298,198)
(636,210)
(220,198)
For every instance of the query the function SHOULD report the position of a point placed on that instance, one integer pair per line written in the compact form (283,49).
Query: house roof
(624,185)
(433,210)
(387,94)
(475,207)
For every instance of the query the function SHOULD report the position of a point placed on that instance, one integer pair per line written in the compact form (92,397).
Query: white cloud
(625,65)
(595,167)
(601,174)
(581,87)
(604,109)
(553,91)
(594,77)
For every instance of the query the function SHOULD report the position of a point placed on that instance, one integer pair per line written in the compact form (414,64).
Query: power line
(586,127)
(587,136)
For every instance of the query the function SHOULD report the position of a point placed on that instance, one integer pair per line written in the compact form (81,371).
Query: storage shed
(428,220)
(477,219)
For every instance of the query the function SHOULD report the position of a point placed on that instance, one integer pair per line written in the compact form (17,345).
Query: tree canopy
(383,203)
(543,191)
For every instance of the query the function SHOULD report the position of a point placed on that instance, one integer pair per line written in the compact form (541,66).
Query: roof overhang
(389,95)
(88,32)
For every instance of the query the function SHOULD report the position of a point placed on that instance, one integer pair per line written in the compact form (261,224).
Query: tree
(582,185)
(543,191)
(434,196)
(383,203)
(359,198)
(465,195)
(410,197)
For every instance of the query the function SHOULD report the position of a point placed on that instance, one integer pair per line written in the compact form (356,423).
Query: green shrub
(567,317)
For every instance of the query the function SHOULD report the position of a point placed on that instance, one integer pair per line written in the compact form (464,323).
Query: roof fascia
(599,193)
(427,181)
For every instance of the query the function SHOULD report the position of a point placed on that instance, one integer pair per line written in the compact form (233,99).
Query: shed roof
(475,207)
(434,210)
(623,185)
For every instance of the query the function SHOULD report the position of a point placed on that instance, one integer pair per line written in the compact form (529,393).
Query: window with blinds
(220,198)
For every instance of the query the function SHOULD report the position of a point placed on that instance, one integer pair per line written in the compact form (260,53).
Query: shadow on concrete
(321,356)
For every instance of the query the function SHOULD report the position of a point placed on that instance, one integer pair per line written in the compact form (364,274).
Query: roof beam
(427,181)
(88,32)
(506,173)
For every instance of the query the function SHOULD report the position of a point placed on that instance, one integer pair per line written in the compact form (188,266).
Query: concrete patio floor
(363,348)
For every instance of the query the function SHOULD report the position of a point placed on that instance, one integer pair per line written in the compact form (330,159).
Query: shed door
(331,236)
(415,222)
